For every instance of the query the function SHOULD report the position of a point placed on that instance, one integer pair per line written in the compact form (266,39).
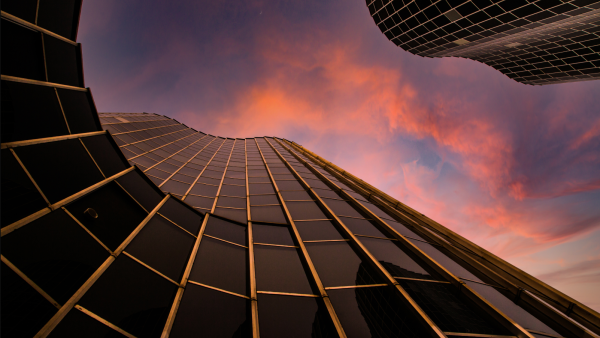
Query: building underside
(133,224)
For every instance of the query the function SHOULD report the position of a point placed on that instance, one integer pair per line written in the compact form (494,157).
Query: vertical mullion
(62,312)
(62,110)
(307,259)
(253,293)
(212,210)
(184,279)
(434,330)
(37,10)
(200,174)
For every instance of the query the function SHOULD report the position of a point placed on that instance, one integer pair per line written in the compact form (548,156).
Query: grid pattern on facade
(531,41)
(220,237)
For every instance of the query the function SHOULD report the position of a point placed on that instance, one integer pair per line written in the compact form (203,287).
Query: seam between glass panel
(104,321)
(207,164)
(31,283)
(149,267)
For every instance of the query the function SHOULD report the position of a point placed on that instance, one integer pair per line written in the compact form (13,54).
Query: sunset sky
(514,168)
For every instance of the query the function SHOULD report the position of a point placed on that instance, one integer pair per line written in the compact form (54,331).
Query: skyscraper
(133,224)
(534,42)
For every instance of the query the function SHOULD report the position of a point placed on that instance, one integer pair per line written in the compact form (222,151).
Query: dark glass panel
(338,265)
(375,312)
(62,62)
(280,269)
(257,172)
(233,214)
(181,214)
(201,202)
(24,310)
(106,156)
(362,227)
(235,174)
(259,179)
(132,297)
(19,108)
(396,261)
(60,168)
(77,324)
(204,190)
(376,210)
(289,185)
(342,208)
(24,9)
(326,193)
(295,195)
(283,177)
(233,202)
(79,109)
(317,230)
(287,316)
(118,214)
(280,170)
(141,189)
(212,313)
(305,210)
(234,181)
(175,187)
(233,190)
(264,199)
(444,260)
(56,253)
(257,189)
(402,229)
(22,54)
(509,308)
(273,214)
(451,311)
(272,234)
(209,180)
(226,230)
(20,198)
(221,265)
(163,246)
(61,18)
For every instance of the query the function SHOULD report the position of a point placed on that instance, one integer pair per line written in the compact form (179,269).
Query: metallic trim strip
(214,288)
(104,321)
(36,27)
(41,83)
(49,139)
(355,286)
(288,294)
(30,282)
(149,267)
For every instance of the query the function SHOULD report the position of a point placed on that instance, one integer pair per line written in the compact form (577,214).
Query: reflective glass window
(272,234)
(272,214)
(317,230)
(305,210)
(280,269)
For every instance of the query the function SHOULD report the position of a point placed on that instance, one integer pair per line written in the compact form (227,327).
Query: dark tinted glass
(376,210)
(141,189)
(175,187)
(77,324)
(132,297)
(264,199)
(375,312)
(228,231)
(280,269)
(60,168)
(317,230)
(387,251)
(233,214)
(62,62)
(118,214)
(105,154)
(24,9)
(338,265)
(186,218)
(295,195)
(233,190)
(232,202)
(326,193)
(163,246)
(462,316)
(272,234)
(362,227)
(402,229)
(56,253)
(289,185)
(61,18)
(19,109)
(20,198)
(201,202)
(25,311)
(342,208)
(79,110)
(213,313)
(22,52)
(305,210)
(273,214)
(221,265)
(286,316)
(509,308)
(205,190)
(444,260)
(266,188)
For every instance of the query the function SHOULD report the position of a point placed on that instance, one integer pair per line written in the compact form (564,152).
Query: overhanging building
(534,42)
(125,224)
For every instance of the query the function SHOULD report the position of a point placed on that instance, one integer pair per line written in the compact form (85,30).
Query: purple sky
(514,168)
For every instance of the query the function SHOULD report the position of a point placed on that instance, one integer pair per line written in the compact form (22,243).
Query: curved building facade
(534,42)
(135,225)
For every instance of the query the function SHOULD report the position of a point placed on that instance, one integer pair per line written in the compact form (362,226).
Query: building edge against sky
(243,230)
(534,42)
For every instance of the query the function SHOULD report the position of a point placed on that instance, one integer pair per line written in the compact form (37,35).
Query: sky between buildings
(514,168)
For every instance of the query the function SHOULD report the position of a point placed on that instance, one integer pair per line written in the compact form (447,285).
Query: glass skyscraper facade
(135,225)
(534,42)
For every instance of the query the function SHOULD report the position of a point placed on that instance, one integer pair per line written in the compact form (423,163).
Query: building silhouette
(135,225)
(534,42)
